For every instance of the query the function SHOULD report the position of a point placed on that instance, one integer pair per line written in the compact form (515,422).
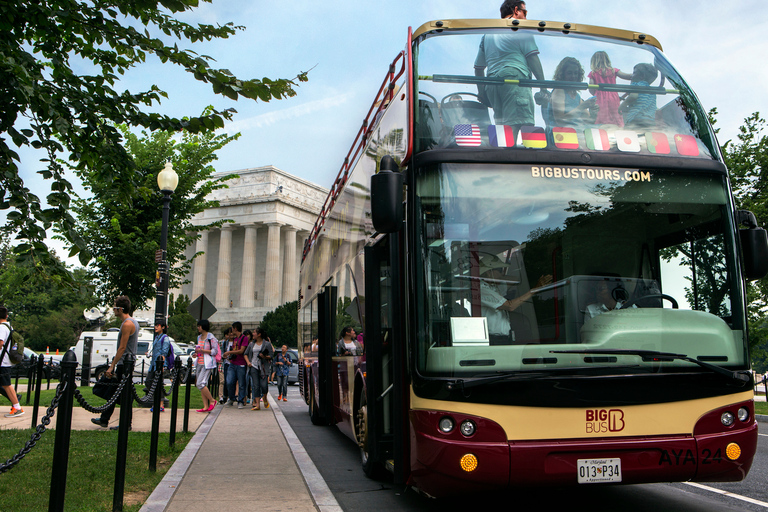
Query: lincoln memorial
(250,266)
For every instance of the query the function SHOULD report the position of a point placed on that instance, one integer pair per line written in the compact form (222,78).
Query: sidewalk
(241,459)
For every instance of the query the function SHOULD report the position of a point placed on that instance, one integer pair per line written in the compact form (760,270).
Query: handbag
(105,387)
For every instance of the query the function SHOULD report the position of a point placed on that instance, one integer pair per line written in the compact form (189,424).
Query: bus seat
(462,111)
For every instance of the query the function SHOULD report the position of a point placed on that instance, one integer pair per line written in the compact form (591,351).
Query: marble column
(248,282)
(290,271)
(225,262)
(201,263)
(272,278)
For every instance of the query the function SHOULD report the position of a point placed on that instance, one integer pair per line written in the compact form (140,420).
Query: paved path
(241,460)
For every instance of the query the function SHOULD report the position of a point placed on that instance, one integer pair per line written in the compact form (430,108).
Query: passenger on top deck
(513,56)
(566,107)
(639,109)
(607,101)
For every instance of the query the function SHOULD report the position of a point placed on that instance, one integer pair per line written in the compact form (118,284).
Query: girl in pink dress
(608,101)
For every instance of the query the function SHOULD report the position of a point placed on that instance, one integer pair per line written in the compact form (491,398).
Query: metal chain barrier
(98,410)
(149,397)
(39,431)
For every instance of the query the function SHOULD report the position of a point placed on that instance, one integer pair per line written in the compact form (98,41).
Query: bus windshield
(477,88)
(523,261)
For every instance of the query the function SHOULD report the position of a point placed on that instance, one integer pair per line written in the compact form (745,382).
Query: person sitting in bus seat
(606,299)
(639,109)
(513,56)
(566,107)
(348,344)
(495,306)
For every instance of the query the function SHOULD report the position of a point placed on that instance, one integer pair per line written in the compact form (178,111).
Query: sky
(347,45)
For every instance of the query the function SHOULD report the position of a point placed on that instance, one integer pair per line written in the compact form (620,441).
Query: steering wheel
(632,302)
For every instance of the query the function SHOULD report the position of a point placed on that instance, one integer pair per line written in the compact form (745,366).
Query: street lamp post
(167,180)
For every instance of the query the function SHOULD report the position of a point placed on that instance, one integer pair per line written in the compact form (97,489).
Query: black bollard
(142,381)
(31,377)
(174,402)
(126,413)
(39,380)
(63,431)
(50,364)
(156,403)
(188,393)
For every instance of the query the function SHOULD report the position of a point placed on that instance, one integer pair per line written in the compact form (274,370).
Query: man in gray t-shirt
(514,56)
(127,343)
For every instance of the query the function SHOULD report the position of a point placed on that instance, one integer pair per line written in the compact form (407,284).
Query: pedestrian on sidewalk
(225,344)
(161,346)
(258,357)
(282,367)
(237,367)
(206,349)
(5,366)
(127,342)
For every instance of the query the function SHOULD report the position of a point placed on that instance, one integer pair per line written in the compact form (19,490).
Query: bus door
(326,350)
(386,384)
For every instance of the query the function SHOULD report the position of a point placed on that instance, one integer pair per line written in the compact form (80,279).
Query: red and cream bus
(547,302)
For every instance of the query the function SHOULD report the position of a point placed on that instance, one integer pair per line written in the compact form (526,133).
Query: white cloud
(278,116)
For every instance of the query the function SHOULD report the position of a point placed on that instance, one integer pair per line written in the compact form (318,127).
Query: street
(337,460)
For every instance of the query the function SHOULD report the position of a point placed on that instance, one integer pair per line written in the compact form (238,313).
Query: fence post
(157,403)
(174,402)
(30,378)
(50,365)
(36,403)
(126,414)
(63,431)
(188,392)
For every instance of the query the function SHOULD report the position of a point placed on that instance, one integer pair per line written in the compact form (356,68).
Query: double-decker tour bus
(544,300)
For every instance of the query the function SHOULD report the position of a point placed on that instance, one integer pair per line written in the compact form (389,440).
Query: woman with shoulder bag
(206,349)
(258,358)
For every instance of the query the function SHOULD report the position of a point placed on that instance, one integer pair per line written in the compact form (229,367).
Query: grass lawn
(91,471)
(195,402)
(761,408)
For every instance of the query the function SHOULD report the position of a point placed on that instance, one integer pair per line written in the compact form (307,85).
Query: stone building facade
(250,266)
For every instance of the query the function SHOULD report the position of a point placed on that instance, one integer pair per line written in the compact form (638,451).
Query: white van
(105,345)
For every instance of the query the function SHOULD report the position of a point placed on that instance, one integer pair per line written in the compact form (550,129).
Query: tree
(747,161)
(60,62)
(182,326)
(123,238)
(281,325)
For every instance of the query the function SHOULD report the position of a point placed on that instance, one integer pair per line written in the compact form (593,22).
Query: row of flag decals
(596,139)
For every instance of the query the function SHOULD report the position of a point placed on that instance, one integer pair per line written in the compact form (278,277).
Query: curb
(761,418)
(321,494)
(163,493)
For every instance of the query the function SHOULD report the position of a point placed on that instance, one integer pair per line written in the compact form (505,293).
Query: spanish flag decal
(565,138)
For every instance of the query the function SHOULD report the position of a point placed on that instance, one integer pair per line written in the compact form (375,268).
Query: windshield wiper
(518,375)
(661,356)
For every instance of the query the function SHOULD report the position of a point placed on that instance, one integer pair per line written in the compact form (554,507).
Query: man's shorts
(5,376)
(512,104)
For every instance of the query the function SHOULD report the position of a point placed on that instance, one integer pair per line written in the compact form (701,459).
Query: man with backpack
(5,365)
(161,346)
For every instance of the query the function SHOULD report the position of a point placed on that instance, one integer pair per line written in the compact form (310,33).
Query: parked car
(50,370)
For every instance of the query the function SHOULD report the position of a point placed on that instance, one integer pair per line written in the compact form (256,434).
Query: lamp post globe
(167,181)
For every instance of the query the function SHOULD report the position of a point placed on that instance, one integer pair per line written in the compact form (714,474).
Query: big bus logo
(604,420)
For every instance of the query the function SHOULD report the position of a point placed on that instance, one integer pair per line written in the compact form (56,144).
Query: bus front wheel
(371,468)
(314,413)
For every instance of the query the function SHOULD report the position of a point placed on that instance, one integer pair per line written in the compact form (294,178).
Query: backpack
(170,360)
(211,343)
(15,348)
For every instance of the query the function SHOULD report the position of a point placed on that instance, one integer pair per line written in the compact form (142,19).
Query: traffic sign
(201,308)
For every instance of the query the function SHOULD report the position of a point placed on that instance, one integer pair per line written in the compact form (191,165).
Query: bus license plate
(591,471)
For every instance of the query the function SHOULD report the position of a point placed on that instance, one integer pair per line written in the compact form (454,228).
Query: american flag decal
(467,134)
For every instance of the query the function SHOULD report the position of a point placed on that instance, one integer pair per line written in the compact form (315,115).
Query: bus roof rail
(541,26)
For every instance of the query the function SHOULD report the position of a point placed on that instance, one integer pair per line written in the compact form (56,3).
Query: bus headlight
(743,414)
(733,451)
(468,462)
(727,418)
(467,428)
(446,425)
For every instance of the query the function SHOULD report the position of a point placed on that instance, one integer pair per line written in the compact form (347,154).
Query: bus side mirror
(754,246)
(387,197)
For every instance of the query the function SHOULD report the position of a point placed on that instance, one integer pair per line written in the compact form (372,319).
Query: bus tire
(314,413)
(372,469)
